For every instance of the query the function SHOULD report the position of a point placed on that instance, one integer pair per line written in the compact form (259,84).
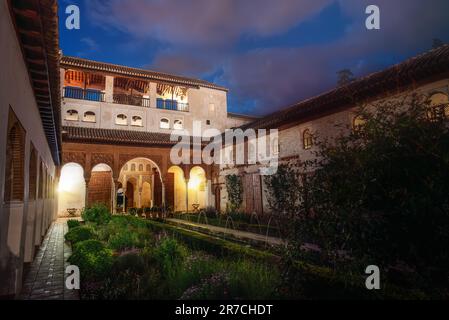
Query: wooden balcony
(131,100)
(172,105)
(83,94)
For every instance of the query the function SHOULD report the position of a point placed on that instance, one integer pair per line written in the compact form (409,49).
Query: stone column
(208,193)
(114,196)
(86,197)
(109,89)
(153,94)
(187,195)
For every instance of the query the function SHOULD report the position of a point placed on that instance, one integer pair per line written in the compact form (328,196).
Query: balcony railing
(83,94)
(172,105)
(131,100)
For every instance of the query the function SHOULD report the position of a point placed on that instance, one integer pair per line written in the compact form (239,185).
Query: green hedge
(93,259)
(79,234)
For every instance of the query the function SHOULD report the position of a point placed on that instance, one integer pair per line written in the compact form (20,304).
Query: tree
(380,193)
(437,43)
(345,76)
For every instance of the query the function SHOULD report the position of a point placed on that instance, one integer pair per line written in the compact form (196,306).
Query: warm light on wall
(71,176)
(194,183)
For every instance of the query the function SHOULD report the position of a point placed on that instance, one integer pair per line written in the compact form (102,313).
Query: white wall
(16,92)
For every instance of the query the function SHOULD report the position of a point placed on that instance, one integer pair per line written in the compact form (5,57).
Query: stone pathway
(239,235)
(46,276)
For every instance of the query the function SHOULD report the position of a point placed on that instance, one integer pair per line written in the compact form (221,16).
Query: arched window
(133,167)
(140,167)
(137,121)
(71,115)
(275,146)
(357,123)
(177,125)
(307,139)
(14,182)
(164,123)
(121,120)
(148,168)
(439,106)
(89,116)
(125,168)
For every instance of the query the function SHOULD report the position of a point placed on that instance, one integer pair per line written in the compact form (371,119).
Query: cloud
(202,22)
(201,37)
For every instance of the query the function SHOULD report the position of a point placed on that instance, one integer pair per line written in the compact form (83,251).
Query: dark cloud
(202,35)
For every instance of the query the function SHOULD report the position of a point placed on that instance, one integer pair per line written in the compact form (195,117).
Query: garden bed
(124,257)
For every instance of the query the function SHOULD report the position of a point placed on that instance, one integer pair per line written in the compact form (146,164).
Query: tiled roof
(426,67)
(114,136)
(74,62)
(37,31)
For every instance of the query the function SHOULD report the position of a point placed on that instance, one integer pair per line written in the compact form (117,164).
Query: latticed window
(358,123)
(72,115)
(140,167)
(121,119)
(307,139)
(177,125)
(89,116)
(137,121)
(14,181)
(133,167)
(439,106)
(33,174)
(164,124)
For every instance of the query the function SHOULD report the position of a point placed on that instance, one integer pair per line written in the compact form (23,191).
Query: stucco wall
(16,93)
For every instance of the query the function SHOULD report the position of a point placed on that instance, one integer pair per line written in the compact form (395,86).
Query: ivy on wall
(234,187)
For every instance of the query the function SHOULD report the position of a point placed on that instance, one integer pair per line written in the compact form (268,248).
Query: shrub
(79,234)
(234,187)
(132,211)
(170,255)
(73,224)
(126,238)
(131,263)
(98,214)
(93,259)
(211,212)
(140,212)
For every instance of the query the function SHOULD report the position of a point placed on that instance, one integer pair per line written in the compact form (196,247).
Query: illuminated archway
(145,181)
(71,188)
(179,188)
(101,186)
(197,188)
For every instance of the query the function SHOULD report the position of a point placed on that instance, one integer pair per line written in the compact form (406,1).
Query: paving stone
(46,276)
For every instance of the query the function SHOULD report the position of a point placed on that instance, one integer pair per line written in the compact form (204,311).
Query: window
(133,167)
(15,153)
(275,146)
(121,120)
(72,115)
(148,167)
(177,125)
(307,139)
(137,121)
(208,122)
(89,116)
(439,106)
(140,167)
(357,123)
(164,123)
(33,174)
(125,168)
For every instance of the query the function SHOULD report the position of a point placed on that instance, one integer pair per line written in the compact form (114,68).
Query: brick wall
(100,188)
